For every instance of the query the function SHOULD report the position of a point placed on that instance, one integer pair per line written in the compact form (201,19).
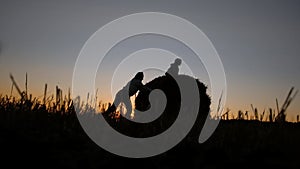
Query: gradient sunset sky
(257,41)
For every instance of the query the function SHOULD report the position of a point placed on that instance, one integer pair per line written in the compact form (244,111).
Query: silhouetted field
(48,135)
(39,138)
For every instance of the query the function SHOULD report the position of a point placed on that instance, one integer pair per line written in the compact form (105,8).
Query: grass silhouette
(47,134)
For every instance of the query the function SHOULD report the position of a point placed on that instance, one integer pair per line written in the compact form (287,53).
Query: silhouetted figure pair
(134,85)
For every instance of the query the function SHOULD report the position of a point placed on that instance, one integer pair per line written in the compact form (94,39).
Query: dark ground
(235,144)
(33,136)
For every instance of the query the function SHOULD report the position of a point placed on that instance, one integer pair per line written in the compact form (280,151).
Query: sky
(258,43)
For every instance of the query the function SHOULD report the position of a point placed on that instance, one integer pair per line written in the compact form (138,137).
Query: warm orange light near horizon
(232,102)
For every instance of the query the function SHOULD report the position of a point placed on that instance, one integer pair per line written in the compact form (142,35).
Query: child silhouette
(174,68)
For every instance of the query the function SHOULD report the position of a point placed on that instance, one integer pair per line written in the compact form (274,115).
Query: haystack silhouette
(171,90)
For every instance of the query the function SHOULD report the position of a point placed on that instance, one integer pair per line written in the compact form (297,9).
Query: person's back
(174,68)
(134,86)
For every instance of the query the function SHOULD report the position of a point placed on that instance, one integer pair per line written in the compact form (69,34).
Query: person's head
(177,61)
(139,76)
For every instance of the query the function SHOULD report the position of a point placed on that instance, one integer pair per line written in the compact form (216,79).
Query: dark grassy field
(47,134)
(59,142)
(54,141)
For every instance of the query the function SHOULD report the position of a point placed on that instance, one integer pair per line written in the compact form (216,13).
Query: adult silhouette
(130,89)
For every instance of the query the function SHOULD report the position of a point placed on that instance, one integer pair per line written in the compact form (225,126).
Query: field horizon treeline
(49,130)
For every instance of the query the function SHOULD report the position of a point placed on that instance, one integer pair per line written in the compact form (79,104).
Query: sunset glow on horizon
(258,44)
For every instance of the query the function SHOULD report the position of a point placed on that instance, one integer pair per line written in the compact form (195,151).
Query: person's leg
(116,102)
(122,96)
(118,98)
(127,103)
